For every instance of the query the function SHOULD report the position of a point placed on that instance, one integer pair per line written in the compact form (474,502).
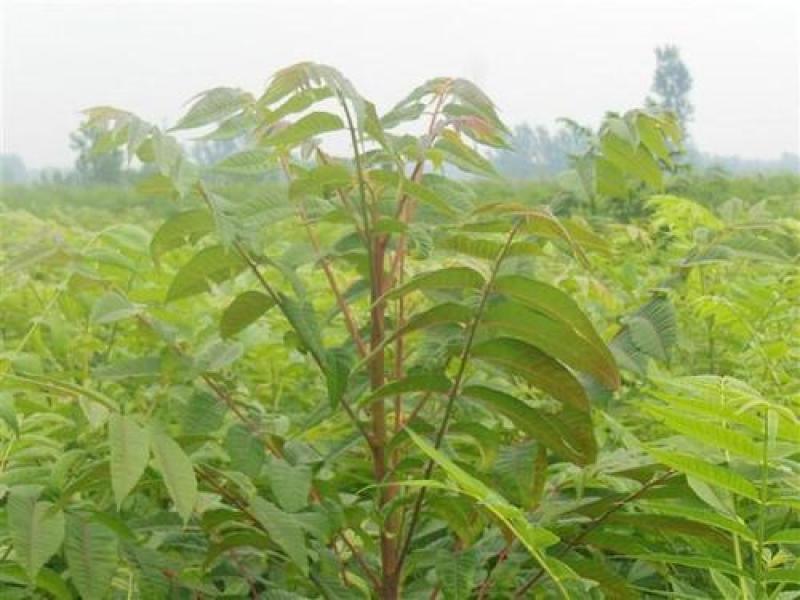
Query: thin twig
(456,387)
(618,505)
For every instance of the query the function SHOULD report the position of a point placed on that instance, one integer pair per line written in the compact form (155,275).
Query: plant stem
(456,387)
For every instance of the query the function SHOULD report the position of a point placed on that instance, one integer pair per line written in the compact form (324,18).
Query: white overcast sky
(539,60)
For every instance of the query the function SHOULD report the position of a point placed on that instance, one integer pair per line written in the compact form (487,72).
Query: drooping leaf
(457,572)
(91,552)
(177,472)
(437,383)
(189,225)
(245,309)
(447,278)
(246,162)
(284,530)
(130,448)
(569,433)
(708,472)
(291,484)
(110,308)
(536,367)
(245,450)
(312,124)
(553,337)
(36,528)
(214,264)
(213,105)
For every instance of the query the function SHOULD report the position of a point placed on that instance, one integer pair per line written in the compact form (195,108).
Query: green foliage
(375,380)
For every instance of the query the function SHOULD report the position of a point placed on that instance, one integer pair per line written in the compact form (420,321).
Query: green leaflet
(435,383)
(177,472)
(441,314)
(91,552)
(110,308)
(710,433)
(553,337)
(290,484)
(551,301)
(244,310)
(447,278)
(130,449)
(36,528)
(246,162)
(190,225)
(457,572)
(708,472)
(700,514)
(213,105)
(284,530)
(211,265)
(535,539)
(536,367)
(462,156)
(245,451)
(313,124)
(569,433)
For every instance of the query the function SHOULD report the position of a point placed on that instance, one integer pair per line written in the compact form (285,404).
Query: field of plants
(350,361)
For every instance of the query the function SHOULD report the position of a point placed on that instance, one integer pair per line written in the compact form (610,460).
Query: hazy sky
(539,60)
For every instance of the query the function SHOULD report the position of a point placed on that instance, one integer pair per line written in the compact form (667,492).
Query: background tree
(672,84)
(93,165)
(12,169)
(539,152)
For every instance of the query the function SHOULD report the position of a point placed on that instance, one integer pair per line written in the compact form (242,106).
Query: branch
(619,504)
(456,387)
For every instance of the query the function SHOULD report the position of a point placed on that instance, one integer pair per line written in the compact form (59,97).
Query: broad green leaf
(36,528)
(190,225)
(551,301)
(723,477)
(610,583)
(145,368)
(246,162)
(634,160)
(447,278)
(696,562)
(284,530)
(436,383)
(245,309)
(245,451)
(214,264)
(337,365)
(536,367)
(783,575)
(110,308)
(130,449)
(217,356)
(290,484)
(91,552)
(700,514)
(569,433)
(214,105)
(457,572)
(177,471)
(304,129)
(535,539)
(553,337)
(203,414)
(462,156)
(786,536)
(709,432)
(303,319)
(441,314)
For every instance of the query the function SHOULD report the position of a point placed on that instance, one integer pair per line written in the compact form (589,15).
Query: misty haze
(400,300)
